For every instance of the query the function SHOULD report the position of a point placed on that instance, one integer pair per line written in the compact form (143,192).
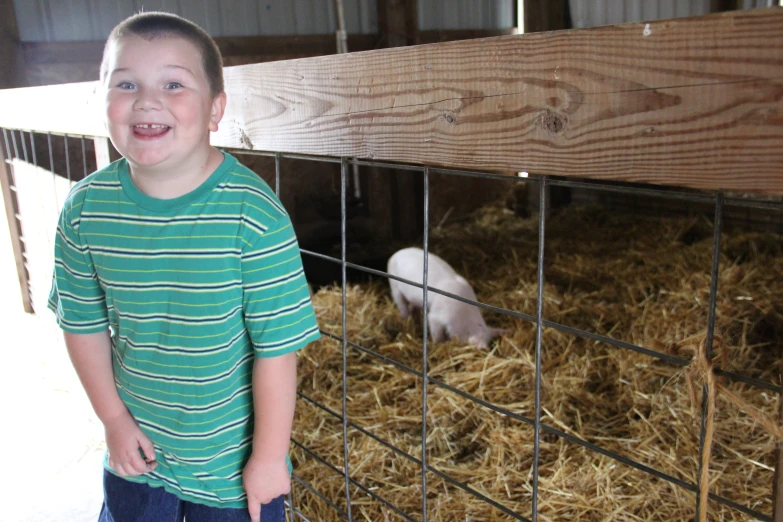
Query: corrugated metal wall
(591,13)
(67,20)
(750,4)
(466,14)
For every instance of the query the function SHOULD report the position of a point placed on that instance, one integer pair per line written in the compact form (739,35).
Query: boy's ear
(218,108)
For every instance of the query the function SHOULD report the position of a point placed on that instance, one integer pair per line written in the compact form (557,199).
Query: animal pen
(639,378)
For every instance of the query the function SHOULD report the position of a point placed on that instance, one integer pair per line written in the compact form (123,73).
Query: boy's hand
(124,438)
(264,481)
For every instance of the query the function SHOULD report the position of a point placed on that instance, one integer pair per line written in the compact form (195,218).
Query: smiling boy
(178,283)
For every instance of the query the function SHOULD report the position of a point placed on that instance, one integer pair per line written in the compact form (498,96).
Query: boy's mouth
(150,130)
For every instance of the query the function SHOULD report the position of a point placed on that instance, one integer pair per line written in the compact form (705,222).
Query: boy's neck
(173,183)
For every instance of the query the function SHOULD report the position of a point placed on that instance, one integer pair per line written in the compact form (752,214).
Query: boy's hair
(154,24)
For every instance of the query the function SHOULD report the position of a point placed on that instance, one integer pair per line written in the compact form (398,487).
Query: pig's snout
(485,338)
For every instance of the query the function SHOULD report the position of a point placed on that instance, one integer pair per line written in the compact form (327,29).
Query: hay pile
(644,281)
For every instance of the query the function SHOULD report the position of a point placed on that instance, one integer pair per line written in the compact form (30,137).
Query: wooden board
(694,102)
(75,108)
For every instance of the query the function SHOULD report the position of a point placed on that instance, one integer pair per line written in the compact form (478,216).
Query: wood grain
(694,102)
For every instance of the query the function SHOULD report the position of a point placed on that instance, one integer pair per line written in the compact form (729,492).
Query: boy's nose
(147,99)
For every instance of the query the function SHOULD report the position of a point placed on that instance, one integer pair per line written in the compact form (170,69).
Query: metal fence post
(425,354)
(702,493)
(343,219)
(542,211)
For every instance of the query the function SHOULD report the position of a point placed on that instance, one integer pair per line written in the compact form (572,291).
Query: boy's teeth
(150,130)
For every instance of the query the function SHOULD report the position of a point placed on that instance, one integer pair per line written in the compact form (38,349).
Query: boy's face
(159,109)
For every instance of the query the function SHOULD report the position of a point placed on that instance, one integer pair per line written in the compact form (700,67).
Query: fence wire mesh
(20,146)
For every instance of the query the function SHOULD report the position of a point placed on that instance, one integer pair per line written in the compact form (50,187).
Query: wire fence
(23,146)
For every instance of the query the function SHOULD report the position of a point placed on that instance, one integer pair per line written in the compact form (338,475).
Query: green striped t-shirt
(193,289)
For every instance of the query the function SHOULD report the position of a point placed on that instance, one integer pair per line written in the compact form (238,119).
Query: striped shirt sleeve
(76,297)
(278,312)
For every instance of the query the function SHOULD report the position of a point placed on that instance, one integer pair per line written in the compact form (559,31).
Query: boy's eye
(173,85)
(126,85)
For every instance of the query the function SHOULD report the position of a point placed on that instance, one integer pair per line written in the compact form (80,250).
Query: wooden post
(102,156)
(777,481)
(399,21)
(11,61)
(12,65)
(538,16)
(716,6)
(15,228)
(545,15)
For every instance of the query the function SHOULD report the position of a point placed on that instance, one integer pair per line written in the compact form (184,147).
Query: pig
(446,317)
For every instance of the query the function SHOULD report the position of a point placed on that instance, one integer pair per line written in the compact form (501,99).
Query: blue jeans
(126,501)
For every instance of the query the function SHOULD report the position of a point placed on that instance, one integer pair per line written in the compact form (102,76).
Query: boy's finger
(137,464)
(254,509)
(147,448)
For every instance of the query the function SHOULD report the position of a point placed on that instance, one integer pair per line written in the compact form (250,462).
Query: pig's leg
(399,300)
(437,329)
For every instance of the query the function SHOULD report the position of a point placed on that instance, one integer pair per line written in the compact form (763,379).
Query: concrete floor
(52,442)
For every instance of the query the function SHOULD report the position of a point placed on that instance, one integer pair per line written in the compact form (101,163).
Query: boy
(178,283)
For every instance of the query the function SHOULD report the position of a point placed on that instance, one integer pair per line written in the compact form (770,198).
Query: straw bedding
(645,281)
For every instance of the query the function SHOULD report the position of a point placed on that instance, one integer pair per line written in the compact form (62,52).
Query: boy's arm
(266,475)
(91,358)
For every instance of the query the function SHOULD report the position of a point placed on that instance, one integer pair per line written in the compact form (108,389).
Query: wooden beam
(15,227)
(272,47)
(11,61)
(73,108)
(695,102)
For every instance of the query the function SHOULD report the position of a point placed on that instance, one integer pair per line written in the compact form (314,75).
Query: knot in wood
(244,139)
(553,122)
(449,117)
